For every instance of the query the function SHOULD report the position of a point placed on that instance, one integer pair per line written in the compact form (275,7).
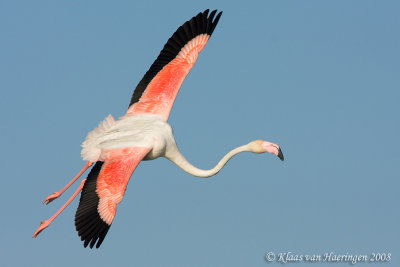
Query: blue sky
(320,78)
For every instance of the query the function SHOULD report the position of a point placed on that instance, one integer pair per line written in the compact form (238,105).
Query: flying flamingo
(116,147)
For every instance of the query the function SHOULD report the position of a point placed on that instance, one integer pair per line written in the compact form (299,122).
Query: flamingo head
(261,146)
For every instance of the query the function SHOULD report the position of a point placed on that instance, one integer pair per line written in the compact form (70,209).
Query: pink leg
(57,194)
(46,223)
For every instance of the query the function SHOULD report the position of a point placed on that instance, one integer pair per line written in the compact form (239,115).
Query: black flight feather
(90,226)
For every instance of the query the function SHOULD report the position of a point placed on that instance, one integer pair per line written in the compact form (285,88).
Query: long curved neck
(175,156)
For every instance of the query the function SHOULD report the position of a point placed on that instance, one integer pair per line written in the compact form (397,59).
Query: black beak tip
(280,155)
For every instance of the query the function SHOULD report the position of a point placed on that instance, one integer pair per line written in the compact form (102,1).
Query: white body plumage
(143,130)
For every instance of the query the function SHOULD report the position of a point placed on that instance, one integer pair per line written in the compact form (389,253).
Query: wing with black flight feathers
(184,38)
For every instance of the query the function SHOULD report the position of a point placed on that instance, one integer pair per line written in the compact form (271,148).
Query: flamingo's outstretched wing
(157,90)
(103,190)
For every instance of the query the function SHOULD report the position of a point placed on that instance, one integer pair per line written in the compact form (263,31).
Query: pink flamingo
(117,146)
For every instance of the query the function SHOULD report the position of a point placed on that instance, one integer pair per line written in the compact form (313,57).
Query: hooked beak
(280,155)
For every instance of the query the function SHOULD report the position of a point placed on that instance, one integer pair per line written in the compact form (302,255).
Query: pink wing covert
(103,191)
(156,92)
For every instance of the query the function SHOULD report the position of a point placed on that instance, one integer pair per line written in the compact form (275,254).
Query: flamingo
(116,147)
